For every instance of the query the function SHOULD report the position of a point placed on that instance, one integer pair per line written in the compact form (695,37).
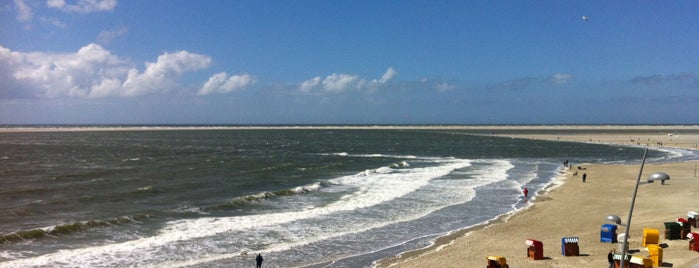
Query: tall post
(625,246)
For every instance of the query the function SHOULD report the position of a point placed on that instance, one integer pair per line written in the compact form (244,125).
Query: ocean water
(301,197)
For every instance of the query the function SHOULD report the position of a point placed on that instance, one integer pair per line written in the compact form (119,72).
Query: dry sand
(579,209)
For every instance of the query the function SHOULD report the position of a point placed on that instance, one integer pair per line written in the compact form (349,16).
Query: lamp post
(653,177)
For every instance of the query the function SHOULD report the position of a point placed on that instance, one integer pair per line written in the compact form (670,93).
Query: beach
(571,208)
(566,208)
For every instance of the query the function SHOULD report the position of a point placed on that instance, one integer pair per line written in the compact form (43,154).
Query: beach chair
(640,262)
(656,254)
(617,260)
(608,233)
(673,230)
(496,262)
(693,241)
(650,236)
(692,218)
(685,227)
(569,246)
(535,249)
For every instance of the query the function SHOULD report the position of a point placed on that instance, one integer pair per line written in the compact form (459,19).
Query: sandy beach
(574,208)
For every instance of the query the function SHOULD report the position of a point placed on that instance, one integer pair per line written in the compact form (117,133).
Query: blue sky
(348,62)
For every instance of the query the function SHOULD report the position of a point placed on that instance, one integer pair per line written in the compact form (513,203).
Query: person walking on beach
(259,260)
(584,177)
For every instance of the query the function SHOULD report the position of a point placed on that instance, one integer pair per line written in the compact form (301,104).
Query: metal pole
(625,246)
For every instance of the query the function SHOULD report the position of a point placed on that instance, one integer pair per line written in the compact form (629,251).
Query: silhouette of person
(584,177)
(259,260)
(610,258)
(525,192)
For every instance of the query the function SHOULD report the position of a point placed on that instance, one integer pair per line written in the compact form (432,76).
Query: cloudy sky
(348,62)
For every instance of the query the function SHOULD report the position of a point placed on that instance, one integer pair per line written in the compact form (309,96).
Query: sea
(300,197)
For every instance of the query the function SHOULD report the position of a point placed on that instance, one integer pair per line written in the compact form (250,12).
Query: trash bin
(608,233)
(535,250)
(650,236)
(693,241)
(496,262)
(569,246)
(656,254)
(672,230)
(640,262)
(685,228)
(692,218)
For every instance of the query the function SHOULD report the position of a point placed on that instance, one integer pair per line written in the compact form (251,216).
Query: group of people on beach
(570,166)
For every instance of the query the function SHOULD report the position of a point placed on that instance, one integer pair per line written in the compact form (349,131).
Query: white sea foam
(382,186)
(307,188)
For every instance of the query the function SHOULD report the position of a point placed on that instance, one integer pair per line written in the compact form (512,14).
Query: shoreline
(450,238)
(505,235)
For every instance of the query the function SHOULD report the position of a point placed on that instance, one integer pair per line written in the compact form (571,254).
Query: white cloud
(388,75)
(160,76)
(337,83)
(560,78)
(24,12)
(340,82)
(308,85)
(106,37)
(91,72)
(83,6)
(222,83)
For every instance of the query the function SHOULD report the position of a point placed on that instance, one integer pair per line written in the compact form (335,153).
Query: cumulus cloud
(83,6)
(106,37)
(388,75)
(308,85)
(91,72)
(340,82)
(337,83)
(222,83)
(332,83)
(160,76)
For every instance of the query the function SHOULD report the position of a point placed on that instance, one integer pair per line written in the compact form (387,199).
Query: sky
(348,62)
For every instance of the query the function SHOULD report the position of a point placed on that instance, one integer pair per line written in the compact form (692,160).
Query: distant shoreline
(493,128)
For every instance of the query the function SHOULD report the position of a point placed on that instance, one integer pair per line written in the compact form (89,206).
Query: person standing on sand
(259,260)
(610,258)
(584,176)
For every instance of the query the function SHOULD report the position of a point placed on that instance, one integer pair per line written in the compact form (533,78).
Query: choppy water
(215,198)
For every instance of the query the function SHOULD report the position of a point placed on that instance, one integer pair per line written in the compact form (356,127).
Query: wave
(372,155)
(239,201)
(363,192)
(69,228)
